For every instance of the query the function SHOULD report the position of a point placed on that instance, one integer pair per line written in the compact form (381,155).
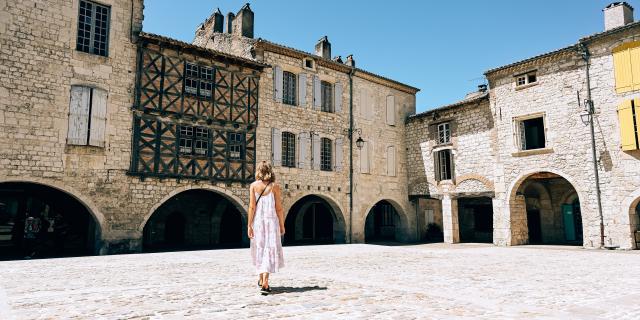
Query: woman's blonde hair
(264,172)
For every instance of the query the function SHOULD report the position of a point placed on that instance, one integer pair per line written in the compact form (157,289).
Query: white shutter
(317,100)
(364,158)
(276,146)
(98,118)
(338,155)
(302,89)
(303,148)
(391,110)
(337,97)
(78,115)
(522,135)
(277,84)
(363,102)
(391,161)
(315,149)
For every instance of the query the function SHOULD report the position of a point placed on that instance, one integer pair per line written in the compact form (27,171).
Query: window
(87,116)
(194,141)
(288,149)
(198,80)
(289,88)
(236,145)
(626,66)
(531,133)
(186,140)
(93,28)
(326,90)
(201,141)
(308,63)
(526,78)
(443,165)
(325,154)
(444,133)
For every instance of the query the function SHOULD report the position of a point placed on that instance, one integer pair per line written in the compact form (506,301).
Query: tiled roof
(174,42)
(476,98)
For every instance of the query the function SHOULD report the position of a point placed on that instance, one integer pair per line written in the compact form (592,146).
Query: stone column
(450,226)
(518,218)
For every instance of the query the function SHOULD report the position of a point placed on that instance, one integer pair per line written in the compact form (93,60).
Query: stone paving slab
(328,282)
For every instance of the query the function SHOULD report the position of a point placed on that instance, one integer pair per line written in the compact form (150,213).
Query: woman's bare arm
(279,210)
(252,205)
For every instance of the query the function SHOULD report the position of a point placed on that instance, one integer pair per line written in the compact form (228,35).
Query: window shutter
(391,161)
(338,155)
(391,110)
(522,135)
(363,103)
(303,148)
(622,69)
(317,100)
(277,84)
(628,135)
(370,105)
(98,118)
(364,158)
(276,146)
(78,115)
(436,165)
(302,89)
(315,146)
(637,122)
(634,60)
(337,96)
(452,166)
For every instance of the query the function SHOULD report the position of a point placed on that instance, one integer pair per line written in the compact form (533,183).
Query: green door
(569,224)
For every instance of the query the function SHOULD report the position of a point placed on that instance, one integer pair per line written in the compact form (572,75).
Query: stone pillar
(518,218)
(450,226)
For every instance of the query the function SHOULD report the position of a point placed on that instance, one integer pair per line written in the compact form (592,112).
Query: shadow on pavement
(280,290)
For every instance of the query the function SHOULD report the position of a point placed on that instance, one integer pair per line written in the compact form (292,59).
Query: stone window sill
(524,153)
(525,86)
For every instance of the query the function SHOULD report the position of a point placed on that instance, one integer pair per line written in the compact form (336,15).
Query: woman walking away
(266,225)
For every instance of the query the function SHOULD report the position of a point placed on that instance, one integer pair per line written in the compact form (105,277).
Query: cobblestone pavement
(328,282)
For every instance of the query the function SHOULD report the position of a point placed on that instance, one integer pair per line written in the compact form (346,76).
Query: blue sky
(441,47)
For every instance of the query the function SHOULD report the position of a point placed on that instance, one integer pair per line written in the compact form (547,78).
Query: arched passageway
(475,217)
(194,219)
(37,221)
(635,222)
(383,223)
(550,212)
(313,220)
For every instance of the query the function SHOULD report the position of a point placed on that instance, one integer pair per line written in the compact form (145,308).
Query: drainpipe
(586,56)
(351,153)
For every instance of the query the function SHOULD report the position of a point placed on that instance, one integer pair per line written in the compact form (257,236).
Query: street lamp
(359,143)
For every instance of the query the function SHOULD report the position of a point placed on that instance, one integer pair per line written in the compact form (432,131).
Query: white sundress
(266,245)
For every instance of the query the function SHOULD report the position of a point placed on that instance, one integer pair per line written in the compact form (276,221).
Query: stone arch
(339,223)
(333,203)
(237,202)
(77,195)
(630,204)
(403,234)
(519,233)
(473,183)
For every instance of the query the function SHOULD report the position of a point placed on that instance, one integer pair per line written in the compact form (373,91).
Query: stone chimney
(350,62)
(243,22)
(218,21)
(323,48)
(338,59)
(617,14)
(230,17)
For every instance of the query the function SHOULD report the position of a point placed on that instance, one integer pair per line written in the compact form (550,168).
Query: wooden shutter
(79,115)
(276,146)
(391,161)
(634,61)
(338,155)
(364,158)
(302,89)
(337,97)
(622,69)
(436,165)
(391,110)
(452,166)
(317,94)
(315,146)
(303,148)
(363,103)
(277,84)
(628,136)
(522,135)
(98,118)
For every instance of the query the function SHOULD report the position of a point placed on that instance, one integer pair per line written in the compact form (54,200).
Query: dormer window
(308,63)
(527,78)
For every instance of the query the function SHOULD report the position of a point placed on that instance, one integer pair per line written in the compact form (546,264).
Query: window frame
(288,149)
(91,47)
(289,92)
(195,77)
(441,162)
(326,154)
(521,134)
(313,64)
(326,97)
(236,145)
(443,131)
(524,79)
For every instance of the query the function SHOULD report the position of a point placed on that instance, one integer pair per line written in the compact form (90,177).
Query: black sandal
(265,291)
(260,283)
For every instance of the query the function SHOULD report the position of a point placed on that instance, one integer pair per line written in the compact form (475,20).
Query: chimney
(482,88)
(350,62)
(338,59)
(617,14)
(323,48)
(243,22)
(230,17)
(218,21)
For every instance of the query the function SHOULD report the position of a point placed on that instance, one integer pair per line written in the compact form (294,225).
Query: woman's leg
(265,280)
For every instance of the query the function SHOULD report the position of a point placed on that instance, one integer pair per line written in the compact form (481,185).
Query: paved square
(326,282)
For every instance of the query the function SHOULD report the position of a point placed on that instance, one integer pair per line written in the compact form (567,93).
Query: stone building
(119,141)
(526,150)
